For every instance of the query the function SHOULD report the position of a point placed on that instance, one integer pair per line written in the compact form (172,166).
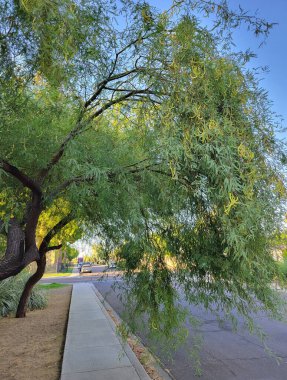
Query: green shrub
(11,290)
(283,269)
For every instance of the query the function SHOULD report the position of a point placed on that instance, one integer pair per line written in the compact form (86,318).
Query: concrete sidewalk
(93,351)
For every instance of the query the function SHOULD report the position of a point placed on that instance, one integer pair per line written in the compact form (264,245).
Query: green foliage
(283,269)
(99,255)
(160,142)
(71,253)
(283,264)
(69,234)
(10,292)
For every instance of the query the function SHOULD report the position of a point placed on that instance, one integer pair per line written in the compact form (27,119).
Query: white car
(86,268)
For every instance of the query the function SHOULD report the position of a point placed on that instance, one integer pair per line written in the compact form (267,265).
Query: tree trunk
(17,256)
(22,306)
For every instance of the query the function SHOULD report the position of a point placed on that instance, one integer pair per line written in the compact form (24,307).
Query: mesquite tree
(153,135)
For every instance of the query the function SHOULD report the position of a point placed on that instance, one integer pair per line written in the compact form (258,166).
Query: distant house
(55,260)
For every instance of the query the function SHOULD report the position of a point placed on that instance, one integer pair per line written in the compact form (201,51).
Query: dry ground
(141,352)
(31,348)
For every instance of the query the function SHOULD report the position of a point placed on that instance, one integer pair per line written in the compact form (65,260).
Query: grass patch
(54,285)
(60,274)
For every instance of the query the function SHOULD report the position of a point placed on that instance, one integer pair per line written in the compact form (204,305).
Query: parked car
(86,268)
(112,265)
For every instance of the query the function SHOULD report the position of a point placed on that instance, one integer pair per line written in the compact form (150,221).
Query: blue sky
(272,54)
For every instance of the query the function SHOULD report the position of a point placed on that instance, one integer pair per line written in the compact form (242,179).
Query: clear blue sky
(272,54)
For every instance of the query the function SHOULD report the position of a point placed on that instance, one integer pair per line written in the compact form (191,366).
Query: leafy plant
(11,290)
(283,269)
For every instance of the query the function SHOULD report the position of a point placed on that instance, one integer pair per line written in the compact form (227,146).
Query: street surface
(225,355)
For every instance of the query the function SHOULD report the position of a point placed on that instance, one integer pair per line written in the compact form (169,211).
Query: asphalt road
(225,355)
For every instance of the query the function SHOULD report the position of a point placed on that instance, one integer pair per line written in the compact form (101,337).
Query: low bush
(283,268)
(283,272)
(11,290)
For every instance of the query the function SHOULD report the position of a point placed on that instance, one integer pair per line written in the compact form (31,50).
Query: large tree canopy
(145,128)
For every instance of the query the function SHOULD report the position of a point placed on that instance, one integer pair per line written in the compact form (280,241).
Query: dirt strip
(32,347)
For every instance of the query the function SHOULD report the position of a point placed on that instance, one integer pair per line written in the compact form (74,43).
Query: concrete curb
(157,364)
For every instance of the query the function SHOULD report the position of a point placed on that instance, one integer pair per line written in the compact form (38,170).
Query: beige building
(55,260)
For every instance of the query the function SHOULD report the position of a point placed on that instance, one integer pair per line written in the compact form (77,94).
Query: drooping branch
(140,169)
(14,264)
(128,169)
(228,17)
(68,182)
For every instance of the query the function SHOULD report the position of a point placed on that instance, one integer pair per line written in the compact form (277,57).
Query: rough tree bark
(23,302)
(17,255)
(21,241)
(41,265)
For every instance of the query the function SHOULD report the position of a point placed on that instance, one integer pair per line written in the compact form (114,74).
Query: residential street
(149,137)
(225,355)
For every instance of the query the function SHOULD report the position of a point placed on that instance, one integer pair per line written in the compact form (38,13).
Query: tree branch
(111,174)
(102,85)
(119,100)
(54,247)
(57,156)
(53,232)
(69,182)
(99,88)
(22,177)
(79,128)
